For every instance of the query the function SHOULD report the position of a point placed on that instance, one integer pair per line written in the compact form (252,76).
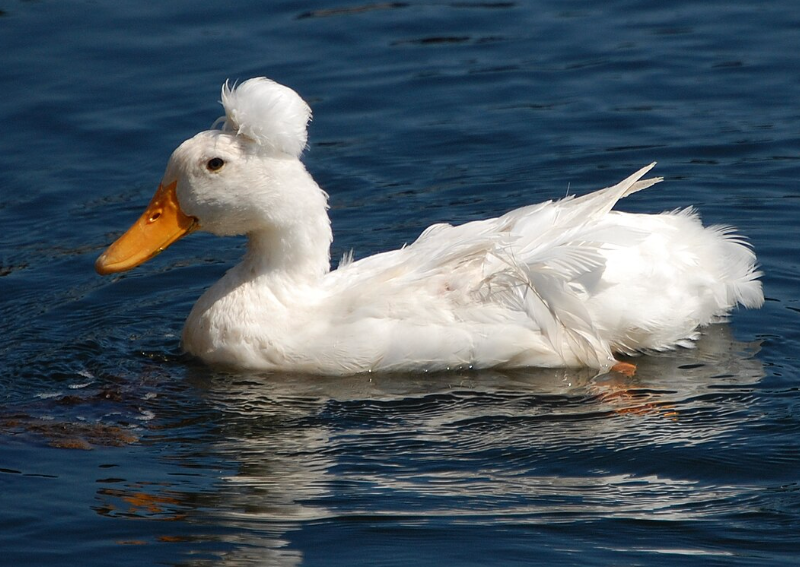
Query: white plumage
(561,283)
(268,113)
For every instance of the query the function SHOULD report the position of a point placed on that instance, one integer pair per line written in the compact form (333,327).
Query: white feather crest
(270,114)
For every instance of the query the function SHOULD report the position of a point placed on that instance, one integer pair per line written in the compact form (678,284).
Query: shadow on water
(282,456)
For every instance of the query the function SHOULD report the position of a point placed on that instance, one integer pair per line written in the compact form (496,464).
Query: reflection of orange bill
(161,224)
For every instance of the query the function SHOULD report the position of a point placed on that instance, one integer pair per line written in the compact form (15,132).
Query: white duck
(564,283)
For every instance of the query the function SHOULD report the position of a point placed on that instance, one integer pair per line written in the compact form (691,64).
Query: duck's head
(239,179)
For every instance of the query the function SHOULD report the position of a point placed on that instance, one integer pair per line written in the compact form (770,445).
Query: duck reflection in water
(528,446)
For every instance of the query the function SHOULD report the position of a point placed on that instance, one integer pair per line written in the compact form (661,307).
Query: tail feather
(741,271)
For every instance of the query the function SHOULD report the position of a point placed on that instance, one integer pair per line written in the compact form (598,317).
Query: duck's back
(559,283)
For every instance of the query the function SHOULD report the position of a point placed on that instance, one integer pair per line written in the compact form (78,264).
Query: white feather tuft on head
(270,114)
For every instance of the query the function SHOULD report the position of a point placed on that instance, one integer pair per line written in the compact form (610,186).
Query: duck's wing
(532,265)
(548,225)
(555,262)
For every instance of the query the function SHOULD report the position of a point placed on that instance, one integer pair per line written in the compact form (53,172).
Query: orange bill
(161,224)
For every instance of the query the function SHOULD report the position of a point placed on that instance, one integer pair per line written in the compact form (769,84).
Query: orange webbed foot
(625,368)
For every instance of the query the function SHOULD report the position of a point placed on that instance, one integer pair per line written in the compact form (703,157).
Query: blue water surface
(115,449)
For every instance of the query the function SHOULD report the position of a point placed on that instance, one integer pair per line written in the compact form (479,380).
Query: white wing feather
(536,262)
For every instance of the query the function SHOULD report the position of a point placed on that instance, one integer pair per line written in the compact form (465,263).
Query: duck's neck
(301,253)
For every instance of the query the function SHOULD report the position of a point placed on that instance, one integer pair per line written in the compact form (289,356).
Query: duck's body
(566,283)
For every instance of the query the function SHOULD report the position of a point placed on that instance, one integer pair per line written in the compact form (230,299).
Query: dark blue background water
(117,450)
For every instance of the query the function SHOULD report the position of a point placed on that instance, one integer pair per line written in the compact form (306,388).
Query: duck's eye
(215,164)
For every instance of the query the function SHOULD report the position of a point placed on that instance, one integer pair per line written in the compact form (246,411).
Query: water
(117,450)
